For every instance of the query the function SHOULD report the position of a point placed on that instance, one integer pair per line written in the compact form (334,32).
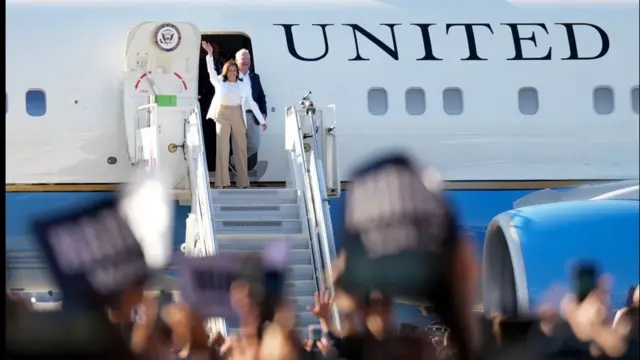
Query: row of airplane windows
(415,101)
(452,101)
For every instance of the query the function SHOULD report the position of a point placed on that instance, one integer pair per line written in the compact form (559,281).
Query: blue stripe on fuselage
(474,207)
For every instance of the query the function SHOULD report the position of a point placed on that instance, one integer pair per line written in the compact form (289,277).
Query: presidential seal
(167,37)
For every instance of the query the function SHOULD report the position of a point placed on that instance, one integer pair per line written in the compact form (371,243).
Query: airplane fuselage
(498,92)
(458,70)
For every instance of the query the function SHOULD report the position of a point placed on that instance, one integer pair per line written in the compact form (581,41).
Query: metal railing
(150,119)
(310,181)
(199,182)
(204,242)
(199,238)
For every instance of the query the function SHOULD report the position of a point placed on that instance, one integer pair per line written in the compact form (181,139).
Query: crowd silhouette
(402,246)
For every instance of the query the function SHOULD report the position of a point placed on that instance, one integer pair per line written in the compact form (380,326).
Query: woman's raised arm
(213,75)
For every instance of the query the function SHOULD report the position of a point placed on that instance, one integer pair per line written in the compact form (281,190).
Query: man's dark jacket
(257,92)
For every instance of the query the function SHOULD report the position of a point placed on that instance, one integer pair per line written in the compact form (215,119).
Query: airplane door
(161,67)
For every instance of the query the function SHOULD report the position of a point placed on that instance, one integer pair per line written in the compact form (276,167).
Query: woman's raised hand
(207,47)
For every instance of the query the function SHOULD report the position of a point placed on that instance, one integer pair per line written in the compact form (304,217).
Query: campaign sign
(92,250)
(148,208)
(205,283)
(389,200)
(275,259)
(398,230)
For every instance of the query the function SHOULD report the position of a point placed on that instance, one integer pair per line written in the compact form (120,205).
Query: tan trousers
(229,121)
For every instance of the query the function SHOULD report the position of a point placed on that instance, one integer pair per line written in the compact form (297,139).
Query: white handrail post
(201,196)
(314,189)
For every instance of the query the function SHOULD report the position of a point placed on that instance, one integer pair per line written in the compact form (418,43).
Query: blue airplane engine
(529,249)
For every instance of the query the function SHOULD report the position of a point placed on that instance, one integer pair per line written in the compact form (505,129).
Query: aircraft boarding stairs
(246,220)
(163,130)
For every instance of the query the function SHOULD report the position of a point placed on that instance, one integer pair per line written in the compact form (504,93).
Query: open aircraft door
(160,93)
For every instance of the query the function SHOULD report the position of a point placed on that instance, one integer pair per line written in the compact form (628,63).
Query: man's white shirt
(246,81)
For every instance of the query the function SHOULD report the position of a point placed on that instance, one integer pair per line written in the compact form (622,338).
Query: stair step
(300,303)
(255,174)
(306,318)
(257,226)
(258,244)
(300,272)
(256,211)
(296,257)
(295,239)
(294,288)
(247,220)
(254,196)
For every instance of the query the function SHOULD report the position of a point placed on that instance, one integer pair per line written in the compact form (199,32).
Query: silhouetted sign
(392,210)
(206,282)
(210,280)
(399,233)
(148,207)
(92,248)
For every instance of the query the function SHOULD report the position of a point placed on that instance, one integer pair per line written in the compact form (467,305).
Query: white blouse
(231,94)
(228,93)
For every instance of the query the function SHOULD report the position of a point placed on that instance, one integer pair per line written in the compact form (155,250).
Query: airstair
(246,220)
(165,135)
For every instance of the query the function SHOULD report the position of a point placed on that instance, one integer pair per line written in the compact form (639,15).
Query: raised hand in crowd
(240,348)
(321,309)
(623,316)
(590,321)
(227,345)
(144,339)
(323,346)
(279,343)
(548,311)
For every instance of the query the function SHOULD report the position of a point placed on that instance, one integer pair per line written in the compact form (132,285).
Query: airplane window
(36,102)
(635,99)
(603,100)
(415,101)
(452,101)
(377,101)
(528,100)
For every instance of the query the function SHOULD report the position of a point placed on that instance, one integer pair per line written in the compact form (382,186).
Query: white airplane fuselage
(483,128)
(74,51)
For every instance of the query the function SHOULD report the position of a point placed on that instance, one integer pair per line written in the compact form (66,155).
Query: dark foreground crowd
(403,246)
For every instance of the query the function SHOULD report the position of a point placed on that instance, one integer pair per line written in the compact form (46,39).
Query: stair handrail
(320,200)
(313,187)
(150,110)
(293,144)
(199,179)
(201,197)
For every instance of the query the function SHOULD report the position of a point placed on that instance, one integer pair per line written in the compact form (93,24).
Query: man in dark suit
(251,79)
